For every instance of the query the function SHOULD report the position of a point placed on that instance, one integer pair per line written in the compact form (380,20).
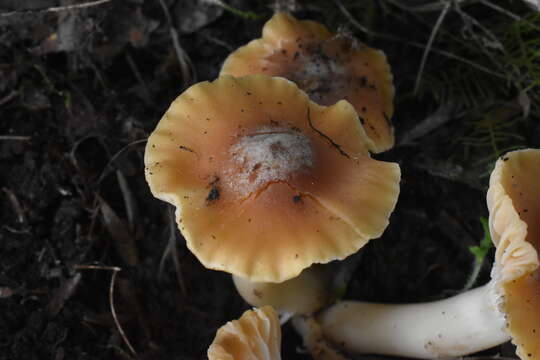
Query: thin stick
(115,270)
(59,8)
(97,267)
(441,116)
(8,97)
(495,41)
(424,8)
(217,41)
(107,169)
(508,13)
(15,204)
(15,137)
(188,70)
(429,44)
(113,311)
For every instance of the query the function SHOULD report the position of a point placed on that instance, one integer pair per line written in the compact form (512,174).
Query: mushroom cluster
(268,180)
(270,171)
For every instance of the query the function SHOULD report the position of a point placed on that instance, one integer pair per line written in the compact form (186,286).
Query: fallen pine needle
(115,271)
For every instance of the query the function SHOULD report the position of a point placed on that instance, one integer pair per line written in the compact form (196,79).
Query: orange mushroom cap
(514,204)
(328,67)
(265,181)
(255,336)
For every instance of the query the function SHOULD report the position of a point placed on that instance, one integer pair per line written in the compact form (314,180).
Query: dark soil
(80,91)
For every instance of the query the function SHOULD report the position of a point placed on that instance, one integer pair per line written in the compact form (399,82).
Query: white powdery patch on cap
(319,76)
(322,68)
(269,155)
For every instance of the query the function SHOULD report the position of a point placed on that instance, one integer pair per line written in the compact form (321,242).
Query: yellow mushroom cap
(328,67)
(514,204)
(255,336)
(265,181)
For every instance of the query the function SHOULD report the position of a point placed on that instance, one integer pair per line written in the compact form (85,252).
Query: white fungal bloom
(269,155)
(314,78)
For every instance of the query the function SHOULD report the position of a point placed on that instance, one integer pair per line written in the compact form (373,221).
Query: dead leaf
(122,239)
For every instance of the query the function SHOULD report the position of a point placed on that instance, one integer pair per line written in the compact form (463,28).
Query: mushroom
(265,181)
(255,336)
(328,67)
(507,307)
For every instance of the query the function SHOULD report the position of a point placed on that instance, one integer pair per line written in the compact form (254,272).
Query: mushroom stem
(460,325)
(303,294)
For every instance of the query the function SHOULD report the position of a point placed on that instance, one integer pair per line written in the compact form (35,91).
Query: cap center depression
(269,155)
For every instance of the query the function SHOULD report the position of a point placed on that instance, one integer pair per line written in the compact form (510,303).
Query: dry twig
(440,117)
(8,97)
(115,271)
(109,166)
(58,8)
(508,13)
(186,66)
(435,6)
(429,44)
(15,137)
(15,204)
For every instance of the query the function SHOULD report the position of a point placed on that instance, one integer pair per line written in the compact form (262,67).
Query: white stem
(460,325)
(304,294)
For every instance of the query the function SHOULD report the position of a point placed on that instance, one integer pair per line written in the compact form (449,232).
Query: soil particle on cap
(214,193)
(185,148)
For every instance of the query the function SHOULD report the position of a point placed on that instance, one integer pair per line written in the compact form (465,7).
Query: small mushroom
(255,336)
(265,181)
(506,308)
(328,67)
